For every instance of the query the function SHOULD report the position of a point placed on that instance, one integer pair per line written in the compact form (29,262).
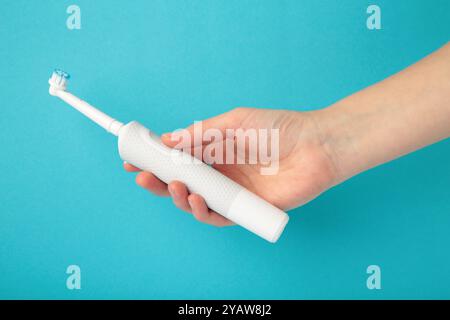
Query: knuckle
(239,109)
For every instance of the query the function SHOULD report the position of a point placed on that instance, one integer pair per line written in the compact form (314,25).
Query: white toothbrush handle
(143,149)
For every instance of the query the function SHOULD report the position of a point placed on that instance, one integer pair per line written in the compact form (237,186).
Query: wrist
(338,128)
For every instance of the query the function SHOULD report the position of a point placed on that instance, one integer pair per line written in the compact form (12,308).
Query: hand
(305,170)
(321,148)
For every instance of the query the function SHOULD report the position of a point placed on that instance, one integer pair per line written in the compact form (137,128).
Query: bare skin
(322,148)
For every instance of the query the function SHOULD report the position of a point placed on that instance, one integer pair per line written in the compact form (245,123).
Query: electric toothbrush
(144,149)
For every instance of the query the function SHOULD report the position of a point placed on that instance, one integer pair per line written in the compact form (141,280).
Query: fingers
(179,194)
(195,204)
(203,214)
(192,203)
(130,168)
(150,182)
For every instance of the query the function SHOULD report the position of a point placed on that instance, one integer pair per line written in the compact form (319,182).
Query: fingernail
(165,135)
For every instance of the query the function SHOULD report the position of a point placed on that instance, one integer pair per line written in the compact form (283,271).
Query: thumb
(192,136)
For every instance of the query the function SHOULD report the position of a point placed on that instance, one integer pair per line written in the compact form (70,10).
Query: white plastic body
(143,149)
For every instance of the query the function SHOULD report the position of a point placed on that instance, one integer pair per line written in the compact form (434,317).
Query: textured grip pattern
(143,149)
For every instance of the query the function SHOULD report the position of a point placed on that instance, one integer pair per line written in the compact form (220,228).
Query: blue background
(64,198)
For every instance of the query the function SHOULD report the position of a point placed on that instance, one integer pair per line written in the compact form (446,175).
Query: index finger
(130,168)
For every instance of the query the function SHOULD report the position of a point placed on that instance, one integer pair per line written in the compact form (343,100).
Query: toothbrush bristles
(59,78)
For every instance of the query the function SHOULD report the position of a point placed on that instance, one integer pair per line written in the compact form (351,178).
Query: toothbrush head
(58,81)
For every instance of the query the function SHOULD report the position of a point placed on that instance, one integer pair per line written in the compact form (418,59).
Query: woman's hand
(321,148)
(306,167)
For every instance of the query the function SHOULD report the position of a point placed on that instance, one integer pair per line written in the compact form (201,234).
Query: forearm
(394,117)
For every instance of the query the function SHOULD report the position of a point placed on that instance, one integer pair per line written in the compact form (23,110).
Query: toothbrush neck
(109,124)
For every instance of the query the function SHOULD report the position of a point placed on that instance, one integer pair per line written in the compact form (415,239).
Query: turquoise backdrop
(64,198)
